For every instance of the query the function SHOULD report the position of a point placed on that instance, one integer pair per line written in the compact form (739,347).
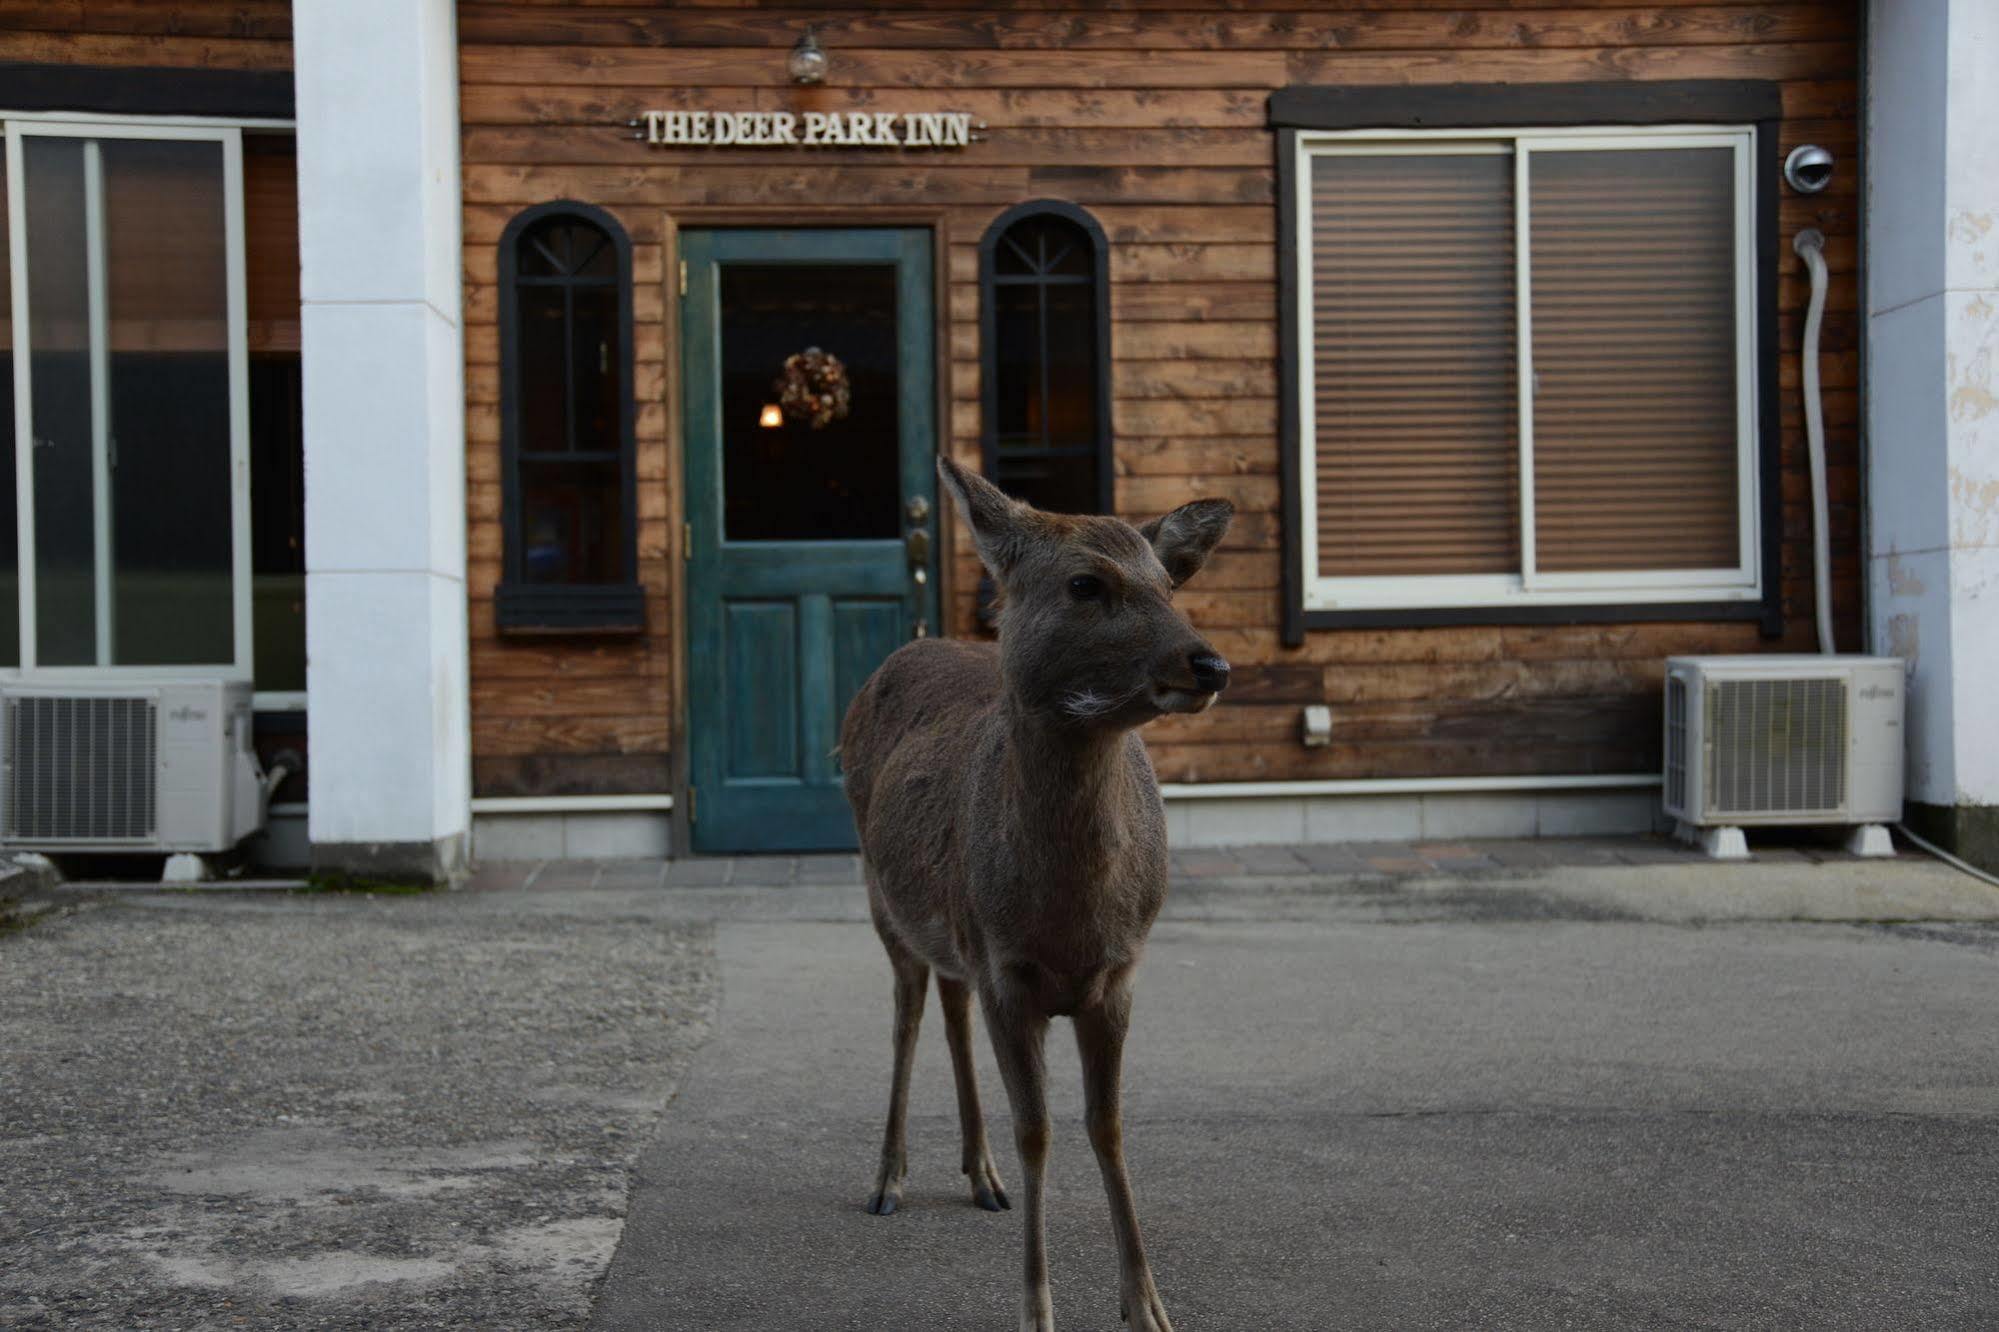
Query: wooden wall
(192,34)
(1152,116)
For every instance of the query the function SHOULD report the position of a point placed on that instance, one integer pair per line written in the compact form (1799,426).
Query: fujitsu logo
(187,714)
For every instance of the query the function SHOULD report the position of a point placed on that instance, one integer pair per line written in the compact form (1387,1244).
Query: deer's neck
(1068,781)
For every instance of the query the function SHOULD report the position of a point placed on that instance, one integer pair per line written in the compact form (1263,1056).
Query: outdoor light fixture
(808,60)
(770,418)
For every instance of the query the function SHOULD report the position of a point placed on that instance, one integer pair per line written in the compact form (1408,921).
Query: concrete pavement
(1594,1097)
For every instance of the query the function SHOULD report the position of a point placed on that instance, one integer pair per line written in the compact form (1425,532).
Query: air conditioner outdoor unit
(129,767)
(1783,740)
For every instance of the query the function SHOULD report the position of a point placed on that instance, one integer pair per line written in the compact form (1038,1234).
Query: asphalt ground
(1442,1104)
(1638,1091)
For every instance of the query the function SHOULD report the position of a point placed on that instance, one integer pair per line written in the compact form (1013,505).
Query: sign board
(808,129)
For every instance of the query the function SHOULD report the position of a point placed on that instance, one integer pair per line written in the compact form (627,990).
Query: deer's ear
(998,523)
(1184,538)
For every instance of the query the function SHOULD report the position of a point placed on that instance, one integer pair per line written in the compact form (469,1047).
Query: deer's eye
(1086,587)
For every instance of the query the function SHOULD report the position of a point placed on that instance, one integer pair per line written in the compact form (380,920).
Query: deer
(1013,838)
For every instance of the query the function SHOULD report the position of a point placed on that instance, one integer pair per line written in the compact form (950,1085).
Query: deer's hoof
(987,1191)
(884,1202)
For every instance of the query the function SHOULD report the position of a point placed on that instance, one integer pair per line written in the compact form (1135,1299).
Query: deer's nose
(1211,672)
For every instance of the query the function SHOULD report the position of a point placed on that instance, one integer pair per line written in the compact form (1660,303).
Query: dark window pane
(1072,365)
(569,372)
(566,247)
(58,334)
(1045,371)
(1059,485)
(792,482)
(172,600)
(277,522)
(1044,246)
(10,582)
(540,383)
(572,522)
(1017,356)
(595,368)
(1016,254)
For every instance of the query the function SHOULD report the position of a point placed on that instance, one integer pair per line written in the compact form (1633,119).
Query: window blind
(1632,299)
(1415,412)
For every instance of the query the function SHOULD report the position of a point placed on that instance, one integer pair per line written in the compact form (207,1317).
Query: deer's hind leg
(955,998)
(912,980)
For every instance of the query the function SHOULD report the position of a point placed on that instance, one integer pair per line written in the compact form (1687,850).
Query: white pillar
(1932,396)
(386,639)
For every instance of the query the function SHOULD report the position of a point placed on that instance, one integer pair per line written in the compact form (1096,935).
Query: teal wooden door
(811,555)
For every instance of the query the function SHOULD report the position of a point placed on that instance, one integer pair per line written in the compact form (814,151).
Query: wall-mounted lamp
(770,418)
(808,60)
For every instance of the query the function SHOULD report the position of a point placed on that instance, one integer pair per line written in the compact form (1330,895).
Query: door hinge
(693,802)
(683,277)
(687,541)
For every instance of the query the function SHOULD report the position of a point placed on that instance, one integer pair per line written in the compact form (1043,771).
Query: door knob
(918,508)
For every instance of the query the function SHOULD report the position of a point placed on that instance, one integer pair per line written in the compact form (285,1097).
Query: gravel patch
(330,1111)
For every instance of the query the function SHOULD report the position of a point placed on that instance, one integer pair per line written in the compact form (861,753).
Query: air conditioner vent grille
(1676,743)
(1776,746)
(80,769)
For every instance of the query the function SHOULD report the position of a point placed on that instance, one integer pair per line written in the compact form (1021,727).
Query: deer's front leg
(1019,1030)
(1100,1035)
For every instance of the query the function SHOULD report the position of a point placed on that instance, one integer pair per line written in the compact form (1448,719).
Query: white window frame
(1529,586)
(229,135)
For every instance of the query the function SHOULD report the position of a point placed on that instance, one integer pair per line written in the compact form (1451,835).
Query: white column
(386,639)
(1932,395)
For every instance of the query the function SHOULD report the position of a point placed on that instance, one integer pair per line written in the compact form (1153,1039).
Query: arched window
(571,557)
(1045,343)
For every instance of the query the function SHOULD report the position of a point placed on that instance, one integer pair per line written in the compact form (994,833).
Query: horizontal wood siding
(1152,116)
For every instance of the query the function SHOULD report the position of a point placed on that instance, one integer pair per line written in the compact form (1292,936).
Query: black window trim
(989,336)
(554,608)
(1466,106)
(148,90)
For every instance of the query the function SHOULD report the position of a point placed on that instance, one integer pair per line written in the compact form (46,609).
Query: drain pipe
(1810,246)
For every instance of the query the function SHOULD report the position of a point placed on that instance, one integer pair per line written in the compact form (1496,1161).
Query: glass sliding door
(130,373)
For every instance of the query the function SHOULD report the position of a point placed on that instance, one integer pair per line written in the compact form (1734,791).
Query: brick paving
(1190,864)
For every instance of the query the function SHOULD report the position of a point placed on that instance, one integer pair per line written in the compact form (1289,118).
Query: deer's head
(1088,629)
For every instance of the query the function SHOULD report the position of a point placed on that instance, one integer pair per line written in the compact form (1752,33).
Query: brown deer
(1013,835)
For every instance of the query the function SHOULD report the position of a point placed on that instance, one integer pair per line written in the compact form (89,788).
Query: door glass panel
(129,330)
(59,340)
(793,480)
